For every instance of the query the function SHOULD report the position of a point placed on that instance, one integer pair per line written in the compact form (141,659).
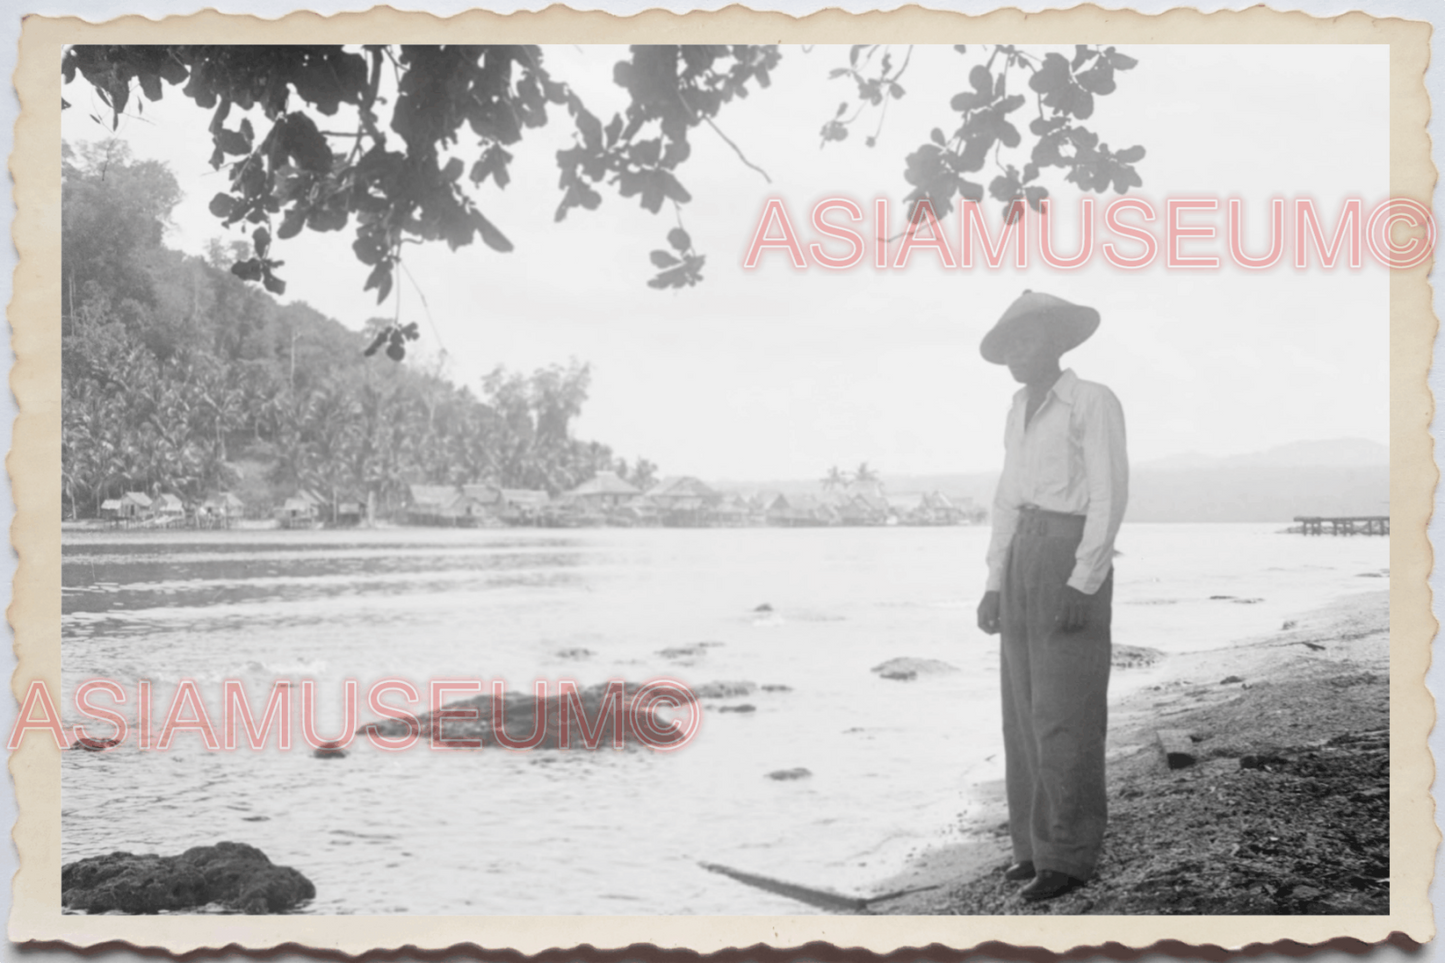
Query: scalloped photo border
(34,466)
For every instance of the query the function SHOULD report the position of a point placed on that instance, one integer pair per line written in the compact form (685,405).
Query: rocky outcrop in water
(93,745)
(520,713)
(724,689)
(239,877)
(687,654)
(788,775)
(907,669)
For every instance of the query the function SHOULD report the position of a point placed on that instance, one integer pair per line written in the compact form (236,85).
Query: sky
(779,373)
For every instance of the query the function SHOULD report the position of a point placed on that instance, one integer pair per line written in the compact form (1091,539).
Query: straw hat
(1070,324)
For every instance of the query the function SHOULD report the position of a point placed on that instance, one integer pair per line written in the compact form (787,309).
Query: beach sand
(1284,810)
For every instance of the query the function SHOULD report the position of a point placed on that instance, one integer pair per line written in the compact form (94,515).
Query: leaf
(291,223)
(300,139)
(663,260)
(981,80)
(1081,54)
(646,153)
(936,136)
(380,278)
(1121,61)
(1130,155)
(679,239)
(967,101)
(590,128)
(453,170)
(1098,79)
(218,119)
(961,48)
(491,237)
(221,205)
(673,189)
(273,284)
(248,270)
(395,352)
(1053,74)
(327,218)
(376,343)
(150,85)
(261,238)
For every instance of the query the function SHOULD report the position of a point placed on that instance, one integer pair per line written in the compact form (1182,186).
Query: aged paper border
(34,465)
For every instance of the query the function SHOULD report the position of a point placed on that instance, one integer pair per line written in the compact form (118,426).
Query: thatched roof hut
(603,489)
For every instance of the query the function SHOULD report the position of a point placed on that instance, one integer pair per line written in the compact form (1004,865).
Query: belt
(1042,523)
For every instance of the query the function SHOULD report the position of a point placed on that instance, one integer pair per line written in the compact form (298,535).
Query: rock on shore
(237,876)
(1133,656)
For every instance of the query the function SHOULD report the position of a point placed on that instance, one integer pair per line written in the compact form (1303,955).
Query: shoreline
(1303,725)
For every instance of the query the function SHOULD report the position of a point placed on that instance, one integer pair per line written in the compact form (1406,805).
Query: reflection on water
(601,832)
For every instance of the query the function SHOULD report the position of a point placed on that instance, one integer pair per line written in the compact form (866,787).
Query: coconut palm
(836,478)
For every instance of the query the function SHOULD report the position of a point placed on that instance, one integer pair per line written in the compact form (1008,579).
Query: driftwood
(804,894)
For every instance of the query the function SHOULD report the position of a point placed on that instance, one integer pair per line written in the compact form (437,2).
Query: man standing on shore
(1058,507)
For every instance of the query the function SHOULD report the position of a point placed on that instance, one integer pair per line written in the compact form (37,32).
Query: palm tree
(836,478)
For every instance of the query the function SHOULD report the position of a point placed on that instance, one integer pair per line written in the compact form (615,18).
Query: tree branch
(737,150)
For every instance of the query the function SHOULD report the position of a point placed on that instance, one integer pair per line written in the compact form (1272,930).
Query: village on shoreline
(605,500)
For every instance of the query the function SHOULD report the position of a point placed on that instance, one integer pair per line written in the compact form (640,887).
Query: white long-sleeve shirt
(1070,458)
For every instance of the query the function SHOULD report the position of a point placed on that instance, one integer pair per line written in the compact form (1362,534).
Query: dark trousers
(1055,702)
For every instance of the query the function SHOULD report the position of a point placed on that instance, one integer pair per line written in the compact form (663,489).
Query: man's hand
(988,617)
(1073,610)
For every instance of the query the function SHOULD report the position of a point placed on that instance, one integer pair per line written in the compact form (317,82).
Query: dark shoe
(1018,871)
(1048,884)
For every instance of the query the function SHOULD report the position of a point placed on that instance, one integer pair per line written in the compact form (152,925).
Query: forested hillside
(179,377)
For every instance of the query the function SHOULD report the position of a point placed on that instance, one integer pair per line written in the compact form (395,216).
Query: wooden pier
(1348,525)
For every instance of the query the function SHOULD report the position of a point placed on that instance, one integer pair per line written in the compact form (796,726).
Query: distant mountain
(1334,453)
(1344,476)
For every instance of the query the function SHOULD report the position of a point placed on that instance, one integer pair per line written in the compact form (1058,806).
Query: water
(493,832)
